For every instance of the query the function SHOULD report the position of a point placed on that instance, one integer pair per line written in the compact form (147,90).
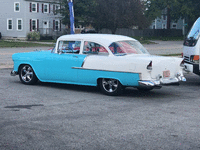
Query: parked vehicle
(191,49)
(111,62)
(88,31)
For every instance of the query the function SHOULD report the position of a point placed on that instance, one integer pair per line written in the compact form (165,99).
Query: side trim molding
(104,70)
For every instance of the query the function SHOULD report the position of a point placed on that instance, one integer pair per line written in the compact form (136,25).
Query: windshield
(193,35)
(127,47)
(194,32)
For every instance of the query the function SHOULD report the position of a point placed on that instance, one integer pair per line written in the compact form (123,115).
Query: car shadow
(70,87)
(128,92)
(193,80)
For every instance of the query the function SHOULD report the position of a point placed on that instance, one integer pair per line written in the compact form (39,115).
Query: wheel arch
(22,64)
(99,79)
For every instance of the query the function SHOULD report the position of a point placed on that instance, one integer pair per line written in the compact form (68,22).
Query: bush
(46,37)
(33,36)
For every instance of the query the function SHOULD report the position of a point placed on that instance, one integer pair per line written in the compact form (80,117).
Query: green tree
(82,11)
(113,14)
(174,9)
(187,9)
(110,14)
(156,8)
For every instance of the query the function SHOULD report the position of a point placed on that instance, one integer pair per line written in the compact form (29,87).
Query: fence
(49,32)
(147,32)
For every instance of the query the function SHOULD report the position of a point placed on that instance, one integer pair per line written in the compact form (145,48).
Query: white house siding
(7,11)
(159,23)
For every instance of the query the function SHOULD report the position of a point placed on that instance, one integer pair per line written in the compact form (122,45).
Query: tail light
(194,59)
(149,66)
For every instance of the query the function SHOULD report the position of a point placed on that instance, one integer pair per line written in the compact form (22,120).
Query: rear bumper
(188,67)
(13,73)
(194,68)
(160,82)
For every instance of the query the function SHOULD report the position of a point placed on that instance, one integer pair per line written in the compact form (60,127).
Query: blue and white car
(111,62)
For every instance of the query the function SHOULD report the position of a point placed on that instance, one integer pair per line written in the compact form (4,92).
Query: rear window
(127,47)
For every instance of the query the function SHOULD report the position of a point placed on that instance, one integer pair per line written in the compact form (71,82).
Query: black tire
(111,87)
(27,75)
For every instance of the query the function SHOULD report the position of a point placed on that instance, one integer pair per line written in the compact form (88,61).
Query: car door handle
(75,56)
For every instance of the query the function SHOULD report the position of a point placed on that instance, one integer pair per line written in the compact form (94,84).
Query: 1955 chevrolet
(111,62)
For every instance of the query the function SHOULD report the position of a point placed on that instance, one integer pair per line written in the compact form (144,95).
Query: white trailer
(191,49)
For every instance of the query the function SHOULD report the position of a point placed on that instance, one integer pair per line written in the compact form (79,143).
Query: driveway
(165,47)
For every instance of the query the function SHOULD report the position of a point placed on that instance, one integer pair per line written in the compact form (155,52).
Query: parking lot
(61,117)
(56,116)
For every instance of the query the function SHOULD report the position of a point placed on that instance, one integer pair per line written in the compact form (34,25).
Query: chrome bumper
(13,73)
(188,67)
(162,81)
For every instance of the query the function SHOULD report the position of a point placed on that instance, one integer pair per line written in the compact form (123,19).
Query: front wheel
(27,75)
(110,87)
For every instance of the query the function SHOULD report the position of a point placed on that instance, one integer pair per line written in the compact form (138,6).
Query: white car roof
(105,39)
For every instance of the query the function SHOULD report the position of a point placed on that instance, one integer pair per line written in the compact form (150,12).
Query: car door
(91,50)
(60,65)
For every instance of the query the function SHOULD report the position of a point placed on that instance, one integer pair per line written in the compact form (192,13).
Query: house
(19,17)
(161,23)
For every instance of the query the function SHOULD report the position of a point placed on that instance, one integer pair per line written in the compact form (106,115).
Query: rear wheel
(27,75)
(110,86)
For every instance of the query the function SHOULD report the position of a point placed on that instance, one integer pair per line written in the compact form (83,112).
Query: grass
(179,54)
(146,42)
(141,39)
(4,44)
(51,41)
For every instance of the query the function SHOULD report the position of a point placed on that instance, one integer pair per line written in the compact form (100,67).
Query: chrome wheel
(111,86)
(27,75)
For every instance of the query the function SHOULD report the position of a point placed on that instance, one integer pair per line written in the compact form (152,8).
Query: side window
(69,47)
(94,48)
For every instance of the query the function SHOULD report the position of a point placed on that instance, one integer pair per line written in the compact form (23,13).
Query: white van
(191,49)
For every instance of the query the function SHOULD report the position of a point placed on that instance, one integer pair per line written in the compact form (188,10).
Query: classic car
(111,62)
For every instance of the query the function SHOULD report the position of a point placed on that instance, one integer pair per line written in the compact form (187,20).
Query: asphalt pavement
(49,116)
(160,48)
(165,47)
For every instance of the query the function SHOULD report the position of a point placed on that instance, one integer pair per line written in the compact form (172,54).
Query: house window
(56,8)
(19,24)
(16,7)
(164,26)
(34,25)
(56,25)
(9,24)
(174,26)
(164,17)
(46,8)
(34,7)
